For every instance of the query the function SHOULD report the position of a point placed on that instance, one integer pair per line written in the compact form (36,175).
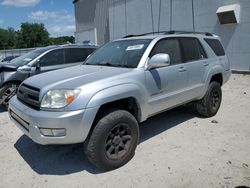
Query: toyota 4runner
(126,81)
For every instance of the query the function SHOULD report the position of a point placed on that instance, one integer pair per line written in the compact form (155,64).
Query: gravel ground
(177,149)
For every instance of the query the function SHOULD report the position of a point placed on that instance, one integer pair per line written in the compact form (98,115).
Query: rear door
(219,51)
(165,85)
(197,64)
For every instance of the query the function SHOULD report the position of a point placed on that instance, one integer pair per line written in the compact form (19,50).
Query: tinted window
(192,49)
(216,46)
(202,51)
(74,55)
(170,47)
(55,57)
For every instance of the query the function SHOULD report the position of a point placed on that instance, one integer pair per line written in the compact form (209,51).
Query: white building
(100,21)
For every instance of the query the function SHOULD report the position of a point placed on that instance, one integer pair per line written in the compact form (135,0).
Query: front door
(165,85)
(52,60)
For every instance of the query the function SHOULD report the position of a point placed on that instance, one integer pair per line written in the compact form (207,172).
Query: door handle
(205,64)
(181,69)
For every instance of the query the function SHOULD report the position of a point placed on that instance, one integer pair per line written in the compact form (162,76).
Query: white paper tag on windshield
(136,47)
(27,59)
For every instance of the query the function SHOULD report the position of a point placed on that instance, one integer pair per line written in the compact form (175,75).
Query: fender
(7,77)
(217,69)
(118,92)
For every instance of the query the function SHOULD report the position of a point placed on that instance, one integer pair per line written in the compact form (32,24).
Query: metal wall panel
(117,18)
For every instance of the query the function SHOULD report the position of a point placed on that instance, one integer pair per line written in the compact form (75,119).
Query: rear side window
(216,46)
(192,49)
(74,55)
(170,47)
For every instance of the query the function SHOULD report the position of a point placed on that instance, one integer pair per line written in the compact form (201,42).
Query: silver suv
(122,84)
(45,59)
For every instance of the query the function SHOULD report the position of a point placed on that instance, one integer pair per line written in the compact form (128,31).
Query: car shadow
(68,159)
(2,110)
(164,121)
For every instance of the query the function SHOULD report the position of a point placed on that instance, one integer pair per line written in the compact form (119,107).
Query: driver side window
(171,47)
(55,57)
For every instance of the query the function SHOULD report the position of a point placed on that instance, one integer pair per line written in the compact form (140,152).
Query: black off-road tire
(118,129)
(4,92)
(209,105)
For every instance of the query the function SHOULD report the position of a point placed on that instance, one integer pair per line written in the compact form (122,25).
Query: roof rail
(189,32)
(171,32)
(150,33)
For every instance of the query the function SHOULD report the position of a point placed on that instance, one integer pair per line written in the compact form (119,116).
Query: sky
(57,15)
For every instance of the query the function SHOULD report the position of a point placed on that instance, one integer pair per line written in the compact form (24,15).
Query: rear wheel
(113,140)
(6,92)
(209,105)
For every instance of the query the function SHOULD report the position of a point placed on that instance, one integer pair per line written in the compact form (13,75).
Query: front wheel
(209,105)
(113,140)
(6,92)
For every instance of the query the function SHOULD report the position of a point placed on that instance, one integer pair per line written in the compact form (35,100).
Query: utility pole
(171,11)
(193,15)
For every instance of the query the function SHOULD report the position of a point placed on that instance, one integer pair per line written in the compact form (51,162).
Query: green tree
(32,35)
(3,37)
(62,40)
(11,38)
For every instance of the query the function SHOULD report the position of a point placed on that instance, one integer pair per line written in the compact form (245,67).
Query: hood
(73,77)
(7,67)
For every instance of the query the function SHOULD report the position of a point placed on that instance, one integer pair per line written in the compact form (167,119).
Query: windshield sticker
(136,47)
(27,59)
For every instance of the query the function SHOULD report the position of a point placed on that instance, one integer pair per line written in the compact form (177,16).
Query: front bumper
(76,123)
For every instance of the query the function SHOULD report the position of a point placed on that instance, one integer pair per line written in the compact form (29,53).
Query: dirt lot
(177,149)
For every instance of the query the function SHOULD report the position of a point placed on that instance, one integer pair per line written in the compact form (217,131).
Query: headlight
(59,98)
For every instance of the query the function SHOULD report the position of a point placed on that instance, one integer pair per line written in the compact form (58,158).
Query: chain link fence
(14,52)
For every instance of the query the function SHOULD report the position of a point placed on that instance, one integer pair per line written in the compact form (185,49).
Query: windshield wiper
(106,63)
(125,66)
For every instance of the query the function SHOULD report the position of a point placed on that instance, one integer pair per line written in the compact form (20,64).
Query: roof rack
(171,32)
(190,32)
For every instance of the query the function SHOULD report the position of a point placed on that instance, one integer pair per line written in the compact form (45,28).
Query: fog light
(59,132)
(53,132)
(46,132)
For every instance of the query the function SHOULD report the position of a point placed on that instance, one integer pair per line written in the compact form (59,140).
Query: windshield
(124,53)
(26,58)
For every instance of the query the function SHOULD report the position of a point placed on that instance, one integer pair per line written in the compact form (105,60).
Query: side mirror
(38,65)
(158,61)
(24,68)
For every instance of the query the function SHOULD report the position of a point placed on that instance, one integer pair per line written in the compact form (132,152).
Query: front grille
(19,120)
(29,95)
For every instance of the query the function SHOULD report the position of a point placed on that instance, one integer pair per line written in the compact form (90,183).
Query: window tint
(170,47)
(55,57)
(74,55)
(216,46)
(192,49)
(202,51)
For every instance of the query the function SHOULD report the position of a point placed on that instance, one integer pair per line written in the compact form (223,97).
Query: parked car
(122,84)
(8,58)
(12,74)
